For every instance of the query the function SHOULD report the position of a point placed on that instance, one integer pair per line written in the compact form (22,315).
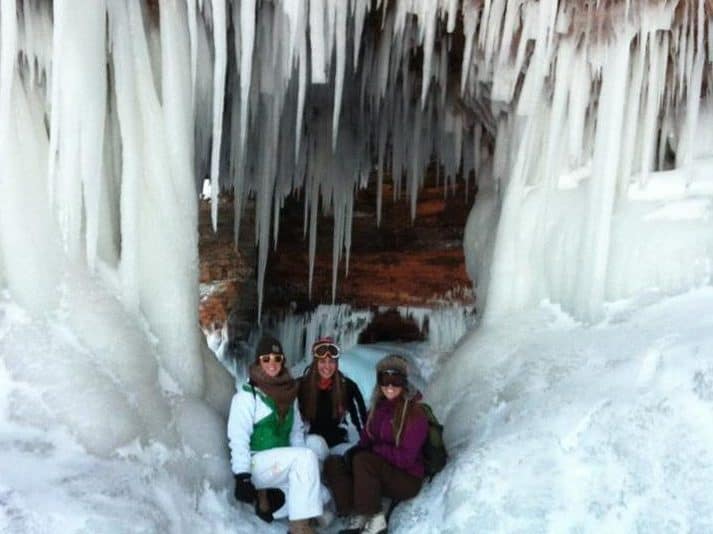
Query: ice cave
(515,194)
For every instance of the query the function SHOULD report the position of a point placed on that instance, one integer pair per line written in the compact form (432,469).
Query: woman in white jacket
(266,439)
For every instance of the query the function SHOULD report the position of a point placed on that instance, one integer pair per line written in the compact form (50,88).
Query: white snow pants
(320,448)
(295,471)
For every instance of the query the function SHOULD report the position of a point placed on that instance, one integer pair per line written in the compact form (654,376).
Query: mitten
(244,489)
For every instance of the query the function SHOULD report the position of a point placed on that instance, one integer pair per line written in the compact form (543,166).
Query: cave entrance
(391,326)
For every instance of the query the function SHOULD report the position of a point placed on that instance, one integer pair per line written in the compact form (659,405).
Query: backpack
(434,451)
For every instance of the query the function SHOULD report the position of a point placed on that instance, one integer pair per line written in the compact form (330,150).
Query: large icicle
(220,29)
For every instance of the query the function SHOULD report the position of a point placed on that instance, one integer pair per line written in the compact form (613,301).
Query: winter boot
(301,526)
(375,525)
(324,520)
(354,524)
(268,502)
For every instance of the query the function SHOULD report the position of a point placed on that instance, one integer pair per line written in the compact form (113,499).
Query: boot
(324,520)
(268,501)
(354,524)
(301,526)
(376,524)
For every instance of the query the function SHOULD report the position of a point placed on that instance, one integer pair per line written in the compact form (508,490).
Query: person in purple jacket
(387,461)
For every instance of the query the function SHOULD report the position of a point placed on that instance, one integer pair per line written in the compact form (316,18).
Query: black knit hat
(267,345)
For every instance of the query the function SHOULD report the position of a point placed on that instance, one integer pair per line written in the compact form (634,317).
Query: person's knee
(365,462)
(334,466)
(306,458)
(331,463)
(317,444)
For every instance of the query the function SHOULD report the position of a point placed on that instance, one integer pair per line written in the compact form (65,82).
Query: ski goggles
(391,377)
(267,358)
(326,350)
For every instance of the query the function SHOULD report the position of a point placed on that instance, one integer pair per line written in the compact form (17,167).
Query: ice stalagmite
(77,131)
(98,223)
(31,259)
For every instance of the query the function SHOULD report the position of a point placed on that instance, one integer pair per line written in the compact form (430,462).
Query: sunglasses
(326,351)
(391,378)
(267,358)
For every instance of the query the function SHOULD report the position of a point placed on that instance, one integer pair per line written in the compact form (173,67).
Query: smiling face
(326,367)
(391,392)
(271,364)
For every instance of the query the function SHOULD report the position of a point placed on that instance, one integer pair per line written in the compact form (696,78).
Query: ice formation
(98,220)
(558,109)
(588,127)
(613,108)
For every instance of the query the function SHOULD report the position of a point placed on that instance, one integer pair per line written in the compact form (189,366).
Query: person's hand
(244,488)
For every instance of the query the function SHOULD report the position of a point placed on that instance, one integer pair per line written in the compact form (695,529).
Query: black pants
(371,478)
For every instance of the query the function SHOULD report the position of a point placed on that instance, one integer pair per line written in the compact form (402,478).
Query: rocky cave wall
(417,263)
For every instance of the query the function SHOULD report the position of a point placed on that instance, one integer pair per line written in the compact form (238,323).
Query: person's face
(326,368)
(391,392)
(271,364)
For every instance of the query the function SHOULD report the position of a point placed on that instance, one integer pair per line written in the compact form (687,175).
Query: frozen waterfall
(587,126)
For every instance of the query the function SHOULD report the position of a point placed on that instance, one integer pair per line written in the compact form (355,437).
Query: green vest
(270,431)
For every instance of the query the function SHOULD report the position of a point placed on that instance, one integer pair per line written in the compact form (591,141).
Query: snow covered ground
(553,426)
(559,427)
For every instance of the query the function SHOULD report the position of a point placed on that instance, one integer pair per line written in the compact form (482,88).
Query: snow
(552,425)
(559,426)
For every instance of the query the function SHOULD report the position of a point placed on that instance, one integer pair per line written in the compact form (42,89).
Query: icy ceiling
(324,96)
(130,106)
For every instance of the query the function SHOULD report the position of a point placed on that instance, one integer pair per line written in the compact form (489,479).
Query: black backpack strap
(356,406)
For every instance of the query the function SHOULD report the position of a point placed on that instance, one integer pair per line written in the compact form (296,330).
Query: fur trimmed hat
(268,345)
(393,362)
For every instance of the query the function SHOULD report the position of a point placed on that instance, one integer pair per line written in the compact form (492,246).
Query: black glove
(244,489)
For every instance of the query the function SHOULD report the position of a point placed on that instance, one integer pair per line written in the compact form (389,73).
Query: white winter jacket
(246,409)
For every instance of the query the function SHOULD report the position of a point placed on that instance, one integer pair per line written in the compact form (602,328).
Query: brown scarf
(282,388)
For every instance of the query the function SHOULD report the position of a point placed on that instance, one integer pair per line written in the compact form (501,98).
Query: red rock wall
(400,263)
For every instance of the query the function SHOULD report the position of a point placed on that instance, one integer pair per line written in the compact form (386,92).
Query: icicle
(579,98)
(428,18)
(359,11)
(193,32)
(349,216)
(337,238)
(8,53)
(695,79)
(318,44)
(301,93)
(314,208)
(219,42)
(658,60)
(452,11)
(131,154)
(382,139)
(597,228)
(341,36)
(470,21)
(77,136)
(383,62)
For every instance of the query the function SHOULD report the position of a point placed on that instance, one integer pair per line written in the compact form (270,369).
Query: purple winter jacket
(381,440)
